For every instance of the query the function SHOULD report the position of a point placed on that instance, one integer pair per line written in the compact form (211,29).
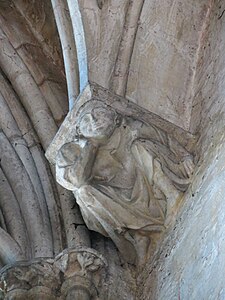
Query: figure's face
(98,124)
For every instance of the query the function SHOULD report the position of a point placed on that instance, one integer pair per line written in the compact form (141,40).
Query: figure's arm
(177,163)
(150,132)
(161,143)
(75,162)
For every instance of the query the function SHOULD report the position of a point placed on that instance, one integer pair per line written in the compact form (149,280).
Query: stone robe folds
(106,210)
(125,190)
(114,207)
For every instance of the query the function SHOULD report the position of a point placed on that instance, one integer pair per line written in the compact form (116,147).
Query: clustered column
(73,274)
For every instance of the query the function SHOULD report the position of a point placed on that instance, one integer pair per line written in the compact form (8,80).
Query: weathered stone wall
(164,57)
(190,263)
(146,51)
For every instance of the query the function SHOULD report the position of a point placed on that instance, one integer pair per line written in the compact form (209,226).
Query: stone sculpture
(75,273)
(118,169)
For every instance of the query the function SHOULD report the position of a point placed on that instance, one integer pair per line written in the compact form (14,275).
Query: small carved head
(97,121)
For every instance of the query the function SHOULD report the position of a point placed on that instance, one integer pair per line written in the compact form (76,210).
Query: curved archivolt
(37,216)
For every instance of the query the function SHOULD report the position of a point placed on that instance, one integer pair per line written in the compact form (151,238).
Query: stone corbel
(126,166)
(125,107)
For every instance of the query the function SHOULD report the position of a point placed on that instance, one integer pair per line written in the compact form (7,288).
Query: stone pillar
(37,279)
(73,274)
(80,268)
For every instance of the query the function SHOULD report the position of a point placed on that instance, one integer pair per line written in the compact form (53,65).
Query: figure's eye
(103,114)
(99,112)
(96,114)
(86,119)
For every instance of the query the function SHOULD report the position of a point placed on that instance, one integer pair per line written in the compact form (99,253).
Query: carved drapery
(122,164)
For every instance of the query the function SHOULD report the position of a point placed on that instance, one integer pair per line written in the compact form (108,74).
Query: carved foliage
(26,280)
(71,273)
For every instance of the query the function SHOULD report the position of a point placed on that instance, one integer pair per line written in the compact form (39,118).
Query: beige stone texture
(164,58)
(157,63)
(190,261)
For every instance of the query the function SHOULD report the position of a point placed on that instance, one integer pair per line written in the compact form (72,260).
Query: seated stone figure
(111,166)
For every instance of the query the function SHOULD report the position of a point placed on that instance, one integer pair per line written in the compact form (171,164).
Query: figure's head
(97,121)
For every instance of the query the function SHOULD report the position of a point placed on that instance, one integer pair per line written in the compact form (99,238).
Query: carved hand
(74,163)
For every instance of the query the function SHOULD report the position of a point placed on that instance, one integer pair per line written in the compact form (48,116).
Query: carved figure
(111,166)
